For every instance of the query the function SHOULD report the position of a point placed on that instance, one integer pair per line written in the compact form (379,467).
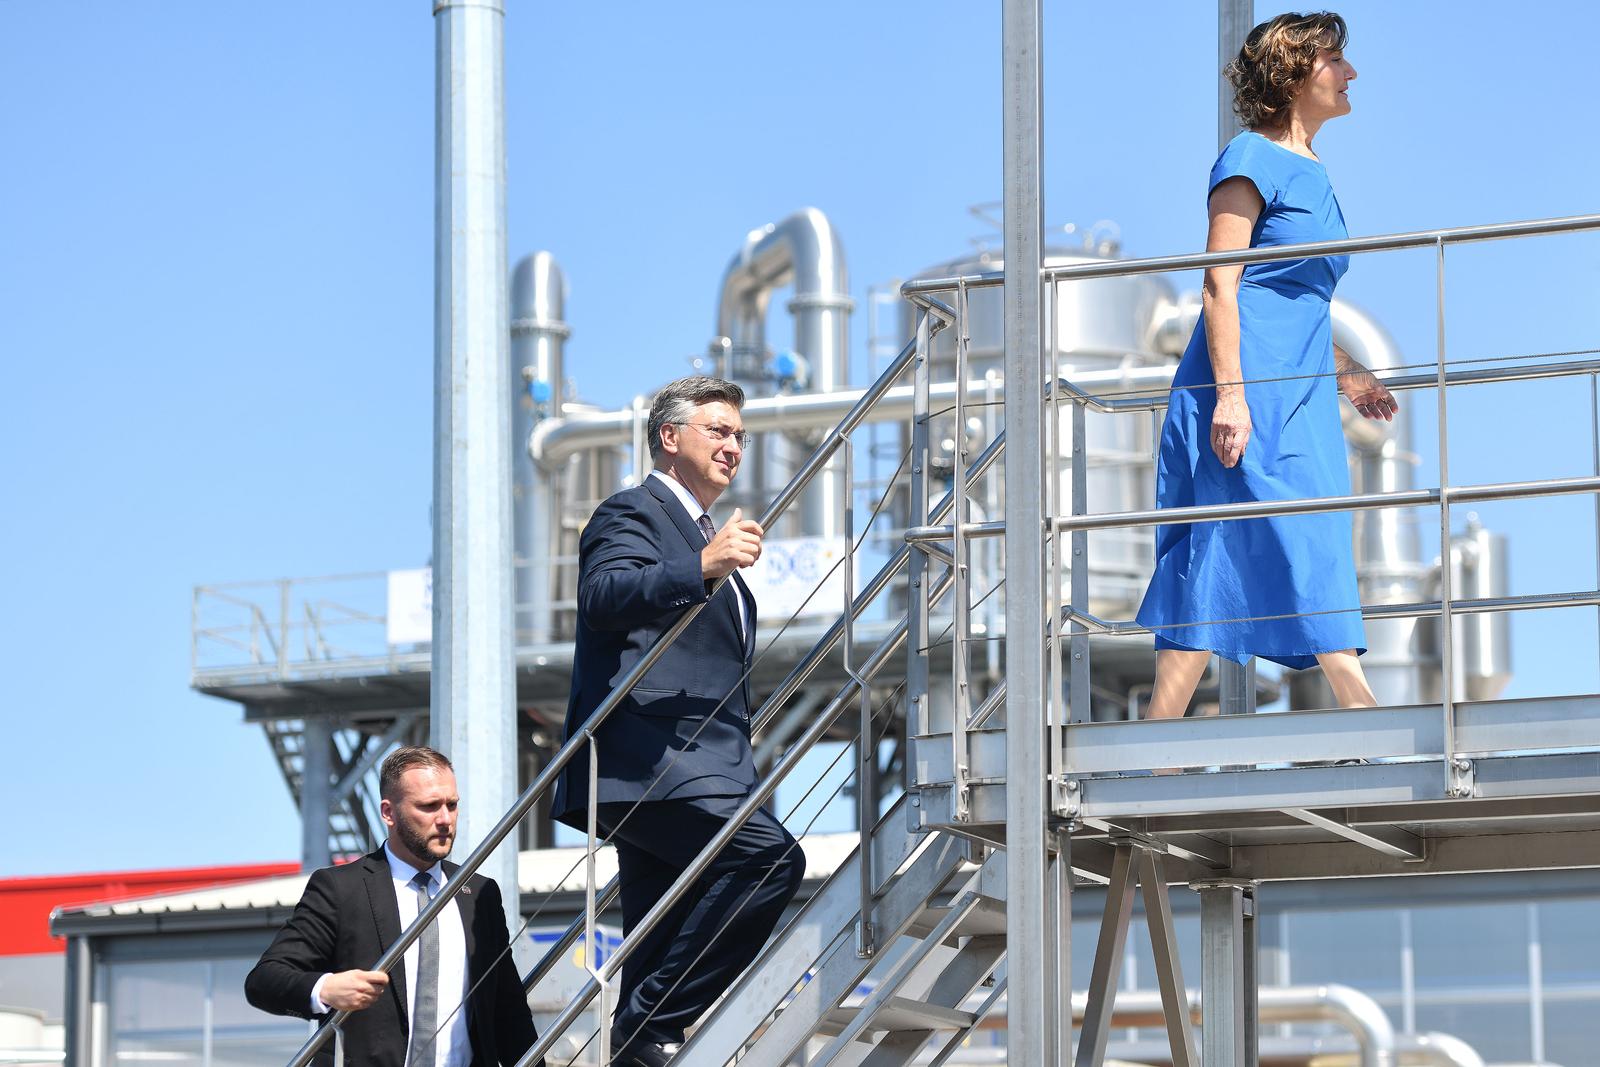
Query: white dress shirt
(692,506)
(454,1047)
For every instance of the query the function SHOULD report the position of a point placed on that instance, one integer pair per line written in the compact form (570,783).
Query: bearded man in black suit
(350,914)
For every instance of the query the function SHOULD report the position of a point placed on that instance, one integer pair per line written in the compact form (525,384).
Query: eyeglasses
(722,433)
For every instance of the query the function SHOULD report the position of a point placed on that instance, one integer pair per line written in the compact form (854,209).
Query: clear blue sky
(216,293)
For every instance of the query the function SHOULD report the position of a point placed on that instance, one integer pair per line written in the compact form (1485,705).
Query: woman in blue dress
(1254,412)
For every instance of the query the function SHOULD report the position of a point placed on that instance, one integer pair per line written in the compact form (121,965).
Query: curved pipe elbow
(803,247)
(1437,1050)
(1353,1010)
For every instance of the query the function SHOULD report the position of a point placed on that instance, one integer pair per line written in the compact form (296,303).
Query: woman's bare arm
(1234,207)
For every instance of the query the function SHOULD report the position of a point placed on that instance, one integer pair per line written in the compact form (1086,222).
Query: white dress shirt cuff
(317,1006)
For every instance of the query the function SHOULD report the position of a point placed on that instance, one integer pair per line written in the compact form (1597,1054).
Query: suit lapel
(675,510)
(749,629)
(467,903)
(697,541)
(386,914)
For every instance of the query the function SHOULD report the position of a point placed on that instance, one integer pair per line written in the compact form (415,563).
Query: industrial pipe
(1350,1008)
(804,249)
(538,344)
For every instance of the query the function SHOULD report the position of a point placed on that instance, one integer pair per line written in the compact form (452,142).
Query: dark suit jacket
(345,919)
(684,731)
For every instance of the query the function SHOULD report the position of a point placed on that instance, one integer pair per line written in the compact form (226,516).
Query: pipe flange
(553,327)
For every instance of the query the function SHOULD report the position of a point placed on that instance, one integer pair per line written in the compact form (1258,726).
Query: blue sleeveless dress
(1281,588)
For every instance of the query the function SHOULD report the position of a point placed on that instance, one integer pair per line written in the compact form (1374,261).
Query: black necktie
(425,1008)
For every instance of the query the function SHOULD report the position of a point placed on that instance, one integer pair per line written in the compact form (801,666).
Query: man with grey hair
(674,757)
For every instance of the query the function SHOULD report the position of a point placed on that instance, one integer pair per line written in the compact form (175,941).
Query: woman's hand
(1370,396)
(1230,426)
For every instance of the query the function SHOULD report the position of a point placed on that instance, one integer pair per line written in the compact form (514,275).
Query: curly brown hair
(1276,59)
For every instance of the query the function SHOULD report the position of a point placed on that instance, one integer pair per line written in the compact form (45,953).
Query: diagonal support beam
(1389,840)
(1136,862)
(1096,1029)
(1169,970)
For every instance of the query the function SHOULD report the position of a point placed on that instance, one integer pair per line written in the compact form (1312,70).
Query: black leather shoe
(647,1054)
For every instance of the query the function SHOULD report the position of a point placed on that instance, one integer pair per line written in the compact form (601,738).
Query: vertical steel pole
(474,681)
(1079,672)
(1032,1002)
(1455,769)
(1535,985)
(316,791)
(1234,20)
(1594,444)
(917,710)
(1227,1024)
(961,571)
(79,1029)
(866,749)
(1060,945)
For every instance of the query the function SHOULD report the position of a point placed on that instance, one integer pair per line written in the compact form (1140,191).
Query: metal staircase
(350,833)
(961,893)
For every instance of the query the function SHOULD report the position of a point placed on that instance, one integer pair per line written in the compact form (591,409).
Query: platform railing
(1072,624)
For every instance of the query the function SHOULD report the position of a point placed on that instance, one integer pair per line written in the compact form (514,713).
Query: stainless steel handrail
(814,732)
(1275,253)
(1466,494)
(530,796)
(773,705)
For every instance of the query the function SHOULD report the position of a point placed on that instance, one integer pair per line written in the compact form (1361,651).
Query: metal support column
(1060,945)
(1228,986)
(1234,21)
(316,792)
(1237,681)
(79,1007)
(474,688)
(1032,1000)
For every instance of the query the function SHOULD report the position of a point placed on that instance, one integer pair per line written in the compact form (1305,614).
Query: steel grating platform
(1268,797)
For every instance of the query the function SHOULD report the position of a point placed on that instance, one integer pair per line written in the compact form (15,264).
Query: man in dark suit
(674,757)
(349,915)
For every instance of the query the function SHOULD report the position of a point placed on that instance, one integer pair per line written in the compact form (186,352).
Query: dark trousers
(716,930)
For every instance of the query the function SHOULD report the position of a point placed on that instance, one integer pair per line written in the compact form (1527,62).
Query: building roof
(547,871)
(27,903)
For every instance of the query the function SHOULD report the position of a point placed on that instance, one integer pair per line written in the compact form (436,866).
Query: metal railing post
(1594,444)
(961,594)
(283,627)
(866,758)
(1078,672)
(1457,771)
(918,713)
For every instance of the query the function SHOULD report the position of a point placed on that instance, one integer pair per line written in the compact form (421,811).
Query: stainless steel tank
(1479,565)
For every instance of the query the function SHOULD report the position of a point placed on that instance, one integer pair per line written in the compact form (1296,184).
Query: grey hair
(675,403)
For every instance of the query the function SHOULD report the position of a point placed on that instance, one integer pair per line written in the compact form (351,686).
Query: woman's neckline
(1281,148)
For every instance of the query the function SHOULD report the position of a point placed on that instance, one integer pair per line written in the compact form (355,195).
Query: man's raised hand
(737,544)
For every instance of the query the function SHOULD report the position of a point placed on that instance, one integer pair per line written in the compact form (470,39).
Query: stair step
(988,919)
(898,1014)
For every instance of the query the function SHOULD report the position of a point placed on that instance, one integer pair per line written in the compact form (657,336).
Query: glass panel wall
(189,1013)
